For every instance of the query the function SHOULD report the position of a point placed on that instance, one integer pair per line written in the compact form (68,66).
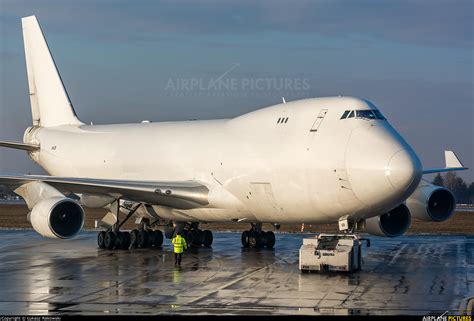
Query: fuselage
(292,162)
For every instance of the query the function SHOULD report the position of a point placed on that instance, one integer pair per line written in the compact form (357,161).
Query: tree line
(463,193)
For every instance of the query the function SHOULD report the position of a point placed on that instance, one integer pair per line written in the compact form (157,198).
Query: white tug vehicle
(332,252)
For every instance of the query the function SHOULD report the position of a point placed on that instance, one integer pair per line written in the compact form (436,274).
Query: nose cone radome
(382,168)
(404,171)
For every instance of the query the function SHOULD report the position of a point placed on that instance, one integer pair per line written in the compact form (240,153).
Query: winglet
(452,161)
(452,164)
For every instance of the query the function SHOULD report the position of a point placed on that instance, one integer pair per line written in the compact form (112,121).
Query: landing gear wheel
(191,237)
(207,238)
(255,240)
(199,238)
(142,239)
(101,240)
(157,238)
(125,240)
(118,240)
(245,238)
(270,239)
(133,238)
(109,241)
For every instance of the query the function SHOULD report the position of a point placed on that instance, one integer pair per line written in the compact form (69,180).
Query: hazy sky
(126,61)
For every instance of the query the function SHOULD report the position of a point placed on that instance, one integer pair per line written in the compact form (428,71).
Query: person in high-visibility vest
(180,245)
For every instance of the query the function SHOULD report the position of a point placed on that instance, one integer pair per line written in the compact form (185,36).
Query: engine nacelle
(391,224)
(431,203)
(57,217)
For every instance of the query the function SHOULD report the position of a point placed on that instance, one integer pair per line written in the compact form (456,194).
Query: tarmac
(406,275)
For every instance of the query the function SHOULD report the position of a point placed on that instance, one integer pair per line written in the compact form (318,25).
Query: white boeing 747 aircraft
(321,160)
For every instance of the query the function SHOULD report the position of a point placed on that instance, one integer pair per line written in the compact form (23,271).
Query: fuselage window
(344,116)
(286,120)
(351,114)
(279,119)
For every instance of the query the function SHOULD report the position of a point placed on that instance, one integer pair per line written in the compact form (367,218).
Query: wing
(22,146)
(179,195)
(452,164)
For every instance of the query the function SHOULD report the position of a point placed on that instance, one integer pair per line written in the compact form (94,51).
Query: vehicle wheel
(157,238)
(101,240)
(142,239)
(270,240)
(109,240)
(245,238)
(133,238)
(126,240)
(207,238)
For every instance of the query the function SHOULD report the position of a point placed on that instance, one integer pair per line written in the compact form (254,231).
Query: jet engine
(431,203)
(391,224)
(57,217)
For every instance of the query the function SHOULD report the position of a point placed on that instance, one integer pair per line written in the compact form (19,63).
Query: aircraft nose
(403,169)
(382,168)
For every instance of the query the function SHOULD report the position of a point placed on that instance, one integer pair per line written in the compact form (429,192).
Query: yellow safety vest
(179,244)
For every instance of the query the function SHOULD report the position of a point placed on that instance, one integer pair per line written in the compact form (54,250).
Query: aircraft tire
(101,239)
(126,240)
(118,240)
(199,238)
(109,240)
(157,238)
(191,238)
(207,238)
(245,239)
(133,238)
(269,240)
(142,239)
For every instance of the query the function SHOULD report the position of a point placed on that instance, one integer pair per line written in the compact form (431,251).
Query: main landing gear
(196,237)
(123,240)
(256,238)
(114,239)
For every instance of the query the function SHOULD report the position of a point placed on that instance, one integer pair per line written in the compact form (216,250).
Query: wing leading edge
(22,146)
(179,195)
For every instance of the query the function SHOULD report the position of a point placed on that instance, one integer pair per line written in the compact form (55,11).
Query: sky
(128,61)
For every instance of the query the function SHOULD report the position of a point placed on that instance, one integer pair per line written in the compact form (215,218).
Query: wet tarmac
(406,275)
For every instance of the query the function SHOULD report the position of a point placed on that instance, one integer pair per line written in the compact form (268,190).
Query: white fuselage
(259,167)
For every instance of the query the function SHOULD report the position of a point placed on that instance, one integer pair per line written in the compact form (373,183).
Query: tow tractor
(332,252)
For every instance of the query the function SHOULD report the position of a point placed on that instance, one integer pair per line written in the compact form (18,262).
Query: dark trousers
(177,258)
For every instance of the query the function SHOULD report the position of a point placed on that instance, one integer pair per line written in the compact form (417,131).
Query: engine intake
(431,203)
(391,224)
(57,217)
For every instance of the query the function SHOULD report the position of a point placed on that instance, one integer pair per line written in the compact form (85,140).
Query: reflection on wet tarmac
(411,274)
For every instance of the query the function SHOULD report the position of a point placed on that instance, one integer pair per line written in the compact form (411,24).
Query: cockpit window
(378,114)
(367,114)
(345,114)
(364,114)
